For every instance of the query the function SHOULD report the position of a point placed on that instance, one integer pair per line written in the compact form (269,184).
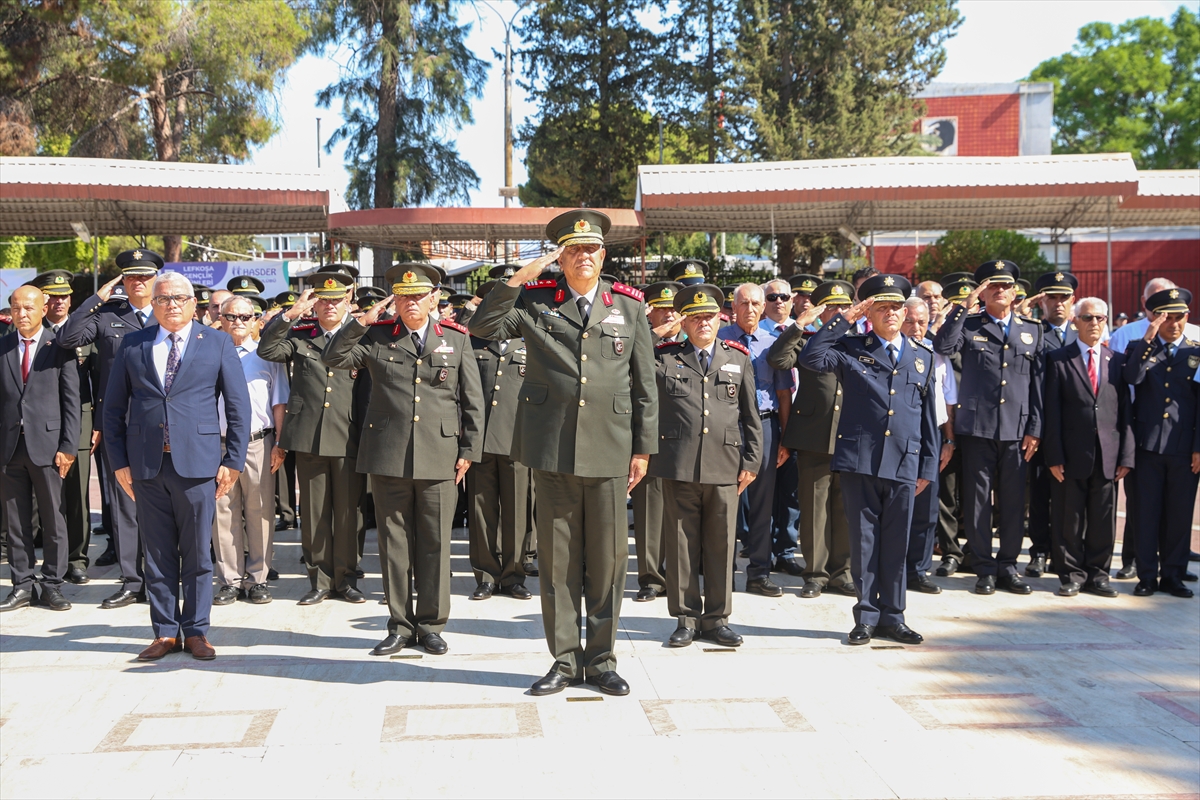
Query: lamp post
(508,191)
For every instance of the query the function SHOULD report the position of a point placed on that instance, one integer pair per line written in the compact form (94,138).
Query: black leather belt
(254,437)
(765,414)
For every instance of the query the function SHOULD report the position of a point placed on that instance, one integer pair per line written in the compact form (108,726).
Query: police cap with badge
(1060,283)
(581,226)
(803,283)
(885,288)
(688,272)
(245,285)
(502,272)
(700,298)
(139,262)
(413,278)
(1169,301)
(662,294)
(998,271)
(55,283)
(833,293)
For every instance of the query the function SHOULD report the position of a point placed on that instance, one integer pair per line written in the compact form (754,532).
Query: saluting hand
(373,314)
(858,310)
(1155,323)
(303,304)
(973,298)
(105,291)
(810,316)
(530,271)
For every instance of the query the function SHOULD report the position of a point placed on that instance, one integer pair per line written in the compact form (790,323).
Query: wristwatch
(946,441)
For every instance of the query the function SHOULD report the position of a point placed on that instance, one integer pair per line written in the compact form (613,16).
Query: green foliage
(218,248)
(73,256)
(1130,88)
(964,251)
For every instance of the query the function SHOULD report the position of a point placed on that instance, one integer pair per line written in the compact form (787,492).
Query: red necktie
(25,360)
(1093,376)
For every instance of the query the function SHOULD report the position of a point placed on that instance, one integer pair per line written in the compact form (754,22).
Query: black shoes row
(1146,588)
(434,645)
(723,635)
(485,591)
(862,634)
(350,594)
(51,598)
(554,682)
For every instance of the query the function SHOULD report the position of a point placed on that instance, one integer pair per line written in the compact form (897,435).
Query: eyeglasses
(172,299)
(239,317)
(778,297)
(1093,318)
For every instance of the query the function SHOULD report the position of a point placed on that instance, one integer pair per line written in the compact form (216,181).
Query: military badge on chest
(1026,337)
(443,374)
(1193,362)
(619,346)
(920,365)
(731,390)
(521,370)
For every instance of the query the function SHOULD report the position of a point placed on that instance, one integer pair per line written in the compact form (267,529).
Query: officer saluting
(887,446)
(710,446)
(587,426)
(424,427)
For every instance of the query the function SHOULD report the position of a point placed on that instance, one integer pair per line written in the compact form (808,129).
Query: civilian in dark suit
(162,434)
(1088,447)
(39,405)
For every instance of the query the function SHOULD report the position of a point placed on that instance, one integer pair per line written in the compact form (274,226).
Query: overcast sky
(999,41)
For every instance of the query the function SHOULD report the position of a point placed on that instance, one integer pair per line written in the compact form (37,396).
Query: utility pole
(318,142)
(508,191)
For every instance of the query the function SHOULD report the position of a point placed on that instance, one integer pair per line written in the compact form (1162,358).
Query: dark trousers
(699,530)
(20,481)
(124,531)
(1130,536)
(498,488)
(1166,496)
(823,533)
(1086,527)
(331,489)
(879,512)
(176,514)
(583,554)
(1043,501)
(950,508)
(648,521)
(922,533)
(991,465)
(757,502)
(285,490)
(414,551)
(76,499)
(785,511)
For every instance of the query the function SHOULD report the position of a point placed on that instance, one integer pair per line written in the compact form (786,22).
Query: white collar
(37,336)
(1084,349)
(421,332)
(590,296)
(184,334)
(1003,322)
(249,345)
(897,343)
(1177,342)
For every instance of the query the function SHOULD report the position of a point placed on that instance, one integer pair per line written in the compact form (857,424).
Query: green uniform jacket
(502,375)
(708,425)
(324,411)
(817,408)
(426,409)
(589,401)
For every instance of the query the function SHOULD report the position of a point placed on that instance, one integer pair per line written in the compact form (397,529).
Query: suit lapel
(148,362)
(195,342)
(688,356)
(1079,364)
(14,361)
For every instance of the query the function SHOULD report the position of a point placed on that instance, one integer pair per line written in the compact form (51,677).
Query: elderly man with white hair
(245,518)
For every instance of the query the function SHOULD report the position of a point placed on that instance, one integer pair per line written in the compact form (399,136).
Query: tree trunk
(385,131)
(786,257)
(166,146)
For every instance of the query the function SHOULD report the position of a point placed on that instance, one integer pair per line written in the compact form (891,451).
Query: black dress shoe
(1100,589)
(923,584)
(986,584)
(1014,584)
(1177,590)
(77,576)
(123,597)
(272,574)
(483,591)
(225,596)
(609,683)
(763,586)
(434,644)
(898,633)
(1128,571)
(517,591)
(530,568)
(313,597)
(109,556)
(1037,566)
(52,598)
(682,637)
(789,566)
(646,594)
(1191,577)
(861,634)
(17,598)
(810,589)
(948,567)
(282,525)
(1145,588)
(351,594)
(1193,555)
(1068,589)
(358,573)
(846,589)
(552,683)
(724,636)
(394,643)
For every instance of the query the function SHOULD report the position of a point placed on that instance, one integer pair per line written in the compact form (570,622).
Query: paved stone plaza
(1010,697)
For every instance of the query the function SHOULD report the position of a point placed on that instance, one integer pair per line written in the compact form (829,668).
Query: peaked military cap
(581,226)
(1170,301)
(331,285)
(1056,283)
(998,271)
(959,289)
(460,300)
(259,303)
(1023,288)
(727,292)
(484,288)
(348,269)
(689,272)
(367,296)
(699,298)
(662,294)
(245,284)
(203,294)
(413,278)
(951,277)
(139,262)
(503,272)
(56,282)
(804,283)
(833,293)
(286,299)
(885,288)
(444,297)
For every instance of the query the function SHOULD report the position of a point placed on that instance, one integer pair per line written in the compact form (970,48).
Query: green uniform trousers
(824,532)
(414,551)
(647,499)
(581,521)
(699,529)
(498,492)
(330,492)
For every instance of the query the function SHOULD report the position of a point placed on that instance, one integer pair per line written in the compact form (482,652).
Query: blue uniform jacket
(136,407)
(1166,405)
(888,427)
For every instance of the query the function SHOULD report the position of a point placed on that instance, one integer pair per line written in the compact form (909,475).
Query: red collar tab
(724,317)
(437,329)
(541,284)
(453,326)
(738,346)
(661,345)
(628,291)
(560,295)
(606,298)
(396,328)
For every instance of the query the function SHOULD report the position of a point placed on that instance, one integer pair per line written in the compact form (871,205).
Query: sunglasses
(1093,317)
(239,317)
(776,297)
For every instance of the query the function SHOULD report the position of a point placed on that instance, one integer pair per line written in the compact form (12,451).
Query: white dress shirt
(590,296)
(37,341)
(422,332)
(161,349)
(267,382)
(145,313)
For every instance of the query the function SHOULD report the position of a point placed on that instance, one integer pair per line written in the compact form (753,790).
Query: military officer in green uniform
(709,449)
(424,426)
(587,425)
(322,427)
(498,486)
